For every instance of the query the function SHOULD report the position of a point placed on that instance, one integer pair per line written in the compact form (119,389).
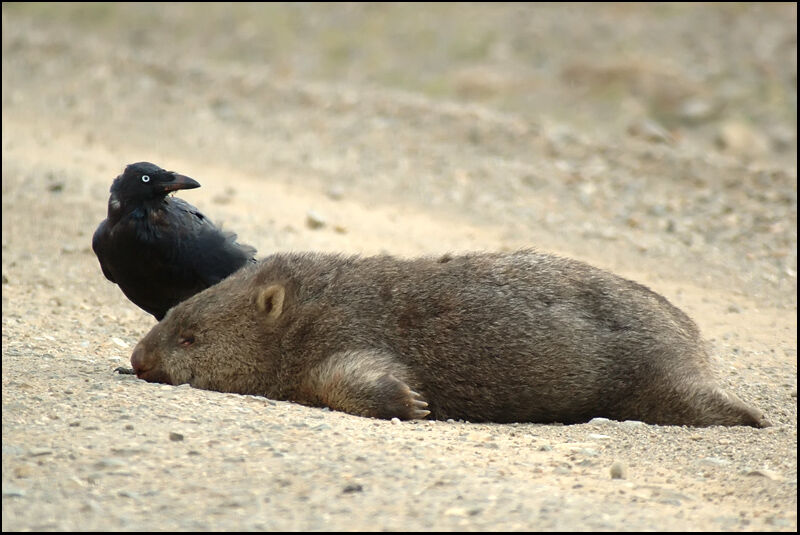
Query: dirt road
(655,141)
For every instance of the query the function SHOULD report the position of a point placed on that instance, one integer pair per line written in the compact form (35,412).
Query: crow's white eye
(145,178)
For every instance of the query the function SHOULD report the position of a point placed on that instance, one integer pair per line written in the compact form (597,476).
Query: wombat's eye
(186,340)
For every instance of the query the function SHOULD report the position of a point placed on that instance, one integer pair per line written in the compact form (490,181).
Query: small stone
(23,471)
(696,110)
(633,423)
(776,521)
(599,420)
(618,470)
(738,137)
(395,420)
(175,437)
(763,472)
(335,192)
(715,461)
(10,491)
(650,130)
(109,462)
(315,220)
(352,487)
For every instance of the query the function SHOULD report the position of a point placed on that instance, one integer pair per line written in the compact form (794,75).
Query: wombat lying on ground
(521,337)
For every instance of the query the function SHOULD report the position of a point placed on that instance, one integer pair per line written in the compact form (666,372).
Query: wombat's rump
(520,337)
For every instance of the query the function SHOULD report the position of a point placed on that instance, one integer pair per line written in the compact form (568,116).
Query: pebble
(739,138)
(696,110)
(780,522)
(763,472)
(335,192)
(633,423)
(315,220)
(600,420)
(11,491)
(175,437)
(110,462)
(618,471)
(650,130)
(715,461)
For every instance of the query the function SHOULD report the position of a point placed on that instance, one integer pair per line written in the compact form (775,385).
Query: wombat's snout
(139,360)
(145,364)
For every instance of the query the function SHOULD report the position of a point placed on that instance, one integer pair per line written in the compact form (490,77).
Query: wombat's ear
(270,300)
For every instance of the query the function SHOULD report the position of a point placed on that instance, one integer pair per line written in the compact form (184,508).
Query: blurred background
(667,130)
(721,76)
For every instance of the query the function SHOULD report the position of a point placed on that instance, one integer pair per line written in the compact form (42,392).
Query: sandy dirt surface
(655,141)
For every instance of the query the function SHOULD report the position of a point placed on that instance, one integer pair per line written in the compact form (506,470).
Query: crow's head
(143,180)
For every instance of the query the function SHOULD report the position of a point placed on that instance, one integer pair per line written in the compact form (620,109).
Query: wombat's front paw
(394,399)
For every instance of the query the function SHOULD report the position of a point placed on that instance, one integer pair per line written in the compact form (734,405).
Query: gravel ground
(656,141)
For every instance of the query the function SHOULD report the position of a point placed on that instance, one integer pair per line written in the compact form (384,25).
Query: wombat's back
(506,337)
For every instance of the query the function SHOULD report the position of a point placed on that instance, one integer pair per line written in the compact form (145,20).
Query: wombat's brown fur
(522,337)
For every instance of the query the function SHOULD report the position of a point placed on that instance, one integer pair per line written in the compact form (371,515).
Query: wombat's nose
(139,359)
(147,365)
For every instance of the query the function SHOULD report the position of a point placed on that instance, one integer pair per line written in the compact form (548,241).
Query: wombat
(517,337)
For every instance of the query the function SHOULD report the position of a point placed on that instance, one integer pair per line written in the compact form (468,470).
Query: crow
(159,249)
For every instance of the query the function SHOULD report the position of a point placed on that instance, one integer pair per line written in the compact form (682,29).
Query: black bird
(159,249)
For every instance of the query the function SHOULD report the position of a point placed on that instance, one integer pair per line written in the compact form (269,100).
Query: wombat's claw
(418,406)
(125,371)
(397,400)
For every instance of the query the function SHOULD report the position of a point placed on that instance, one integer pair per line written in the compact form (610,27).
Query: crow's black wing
(100,247)
(209,252)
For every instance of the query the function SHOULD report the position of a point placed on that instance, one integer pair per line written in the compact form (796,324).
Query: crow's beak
(179,182)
